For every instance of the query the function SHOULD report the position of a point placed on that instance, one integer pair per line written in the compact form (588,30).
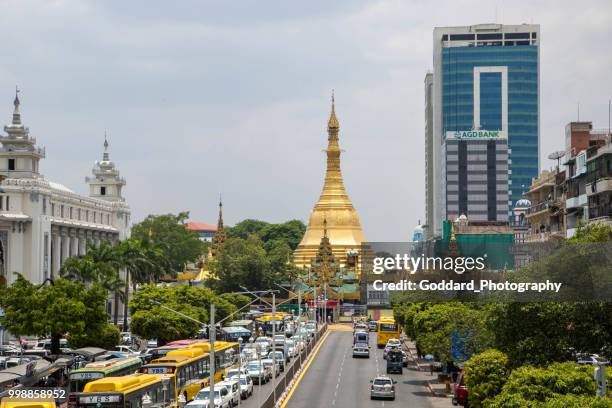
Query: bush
(485,375)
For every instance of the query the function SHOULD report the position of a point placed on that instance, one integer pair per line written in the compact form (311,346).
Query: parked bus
(188,368)
(387,329)
(116,367)
(124,392)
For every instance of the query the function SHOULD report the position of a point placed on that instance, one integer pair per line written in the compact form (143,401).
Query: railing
(284,381)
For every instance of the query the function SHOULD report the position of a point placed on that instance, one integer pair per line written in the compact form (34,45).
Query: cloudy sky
(207,97)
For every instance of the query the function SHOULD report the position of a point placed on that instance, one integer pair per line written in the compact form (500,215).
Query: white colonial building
(42,223)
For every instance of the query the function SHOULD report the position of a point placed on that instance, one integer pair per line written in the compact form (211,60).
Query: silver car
(361,350)
(382,387)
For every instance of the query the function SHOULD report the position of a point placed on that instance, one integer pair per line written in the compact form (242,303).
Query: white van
(233,388)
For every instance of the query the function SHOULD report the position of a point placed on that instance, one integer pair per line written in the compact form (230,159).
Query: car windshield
(253,366)
(382,382)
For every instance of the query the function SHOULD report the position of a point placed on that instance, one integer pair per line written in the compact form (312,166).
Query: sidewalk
(437,389)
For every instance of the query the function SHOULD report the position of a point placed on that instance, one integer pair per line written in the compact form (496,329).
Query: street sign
(459,351)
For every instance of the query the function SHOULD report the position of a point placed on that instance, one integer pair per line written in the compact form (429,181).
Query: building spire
(219,237)
(325,226)
(105,156)
(16,103)
(333,123)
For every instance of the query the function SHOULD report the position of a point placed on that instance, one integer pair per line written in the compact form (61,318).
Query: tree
(103,335)
(435,326)
(290,232)
(142,263)
(245,228)
(485,375)
(100,265)
(53,310)
(541,385)
(151,321)
(169,234)
(593,232)
(245,262)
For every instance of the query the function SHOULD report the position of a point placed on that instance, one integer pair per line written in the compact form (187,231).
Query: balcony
(575,202)
(601,185)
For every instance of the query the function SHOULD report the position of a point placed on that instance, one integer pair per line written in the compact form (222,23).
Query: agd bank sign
(476,134)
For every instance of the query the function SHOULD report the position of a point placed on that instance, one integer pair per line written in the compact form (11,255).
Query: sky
(208,98)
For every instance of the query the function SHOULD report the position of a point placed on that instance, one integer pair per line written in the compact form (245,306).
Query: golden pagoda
(333,216)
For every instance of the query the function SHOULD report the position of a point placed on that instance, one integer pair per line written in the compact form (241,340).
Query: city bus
(173,345)
(188,368)
(387,329)
(115,367)
(124,392)
(30,403)
(264,323)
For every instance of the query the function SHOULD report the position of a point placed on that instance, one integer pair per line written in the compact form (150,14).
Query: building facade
(476,178)
(486,81)
(42,223)
(429,160)
(205,232)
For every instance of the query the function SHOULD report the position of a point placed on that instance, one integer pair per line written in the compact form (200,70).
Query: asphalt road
(336,379)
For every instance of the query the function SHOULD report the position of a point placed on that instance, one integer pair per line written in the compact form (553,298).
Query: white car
(258,372)
(269,363)
(233,372)
(221,396)
(233,387)
(264,340)
(246,386)
(291,347)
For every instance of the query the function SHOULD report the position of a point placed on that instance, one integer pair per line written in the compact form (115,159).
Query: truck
(395,361)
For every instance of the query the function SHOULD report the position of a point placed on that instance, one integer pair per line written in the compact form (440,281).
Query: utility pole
(274,345)
(211,338)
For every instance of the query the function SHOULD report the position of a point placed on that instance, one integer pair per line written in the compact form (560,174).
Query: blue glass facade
(458,65)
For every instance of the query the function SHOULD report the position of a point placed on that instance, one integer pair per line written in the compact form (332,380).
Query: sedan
(361,350)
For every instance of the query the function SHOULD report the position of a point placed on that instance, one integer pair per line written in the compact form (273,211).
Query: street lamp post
(211,338)
(239,368)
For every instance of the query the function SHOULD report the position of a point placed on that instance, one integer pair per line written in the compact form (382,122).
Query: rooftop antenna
(578,111)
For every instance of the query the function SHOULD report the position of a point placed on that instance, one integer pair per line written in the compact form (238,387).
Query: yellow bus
(387,329)
(124,392)
(115,367)
(264,323)
(188,368)
(32,403)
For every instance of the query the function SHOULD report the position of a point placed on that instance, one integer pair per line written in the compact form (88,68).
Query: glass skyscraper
(486,86)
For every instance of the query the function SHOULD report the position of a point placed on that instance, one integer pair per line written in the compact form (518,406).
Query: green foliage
(103,335)
(167,233)
(151,321)
(435,325)
(594,232)
(245,262)
(540,384)
(290,232)
(485,375)
(53,310)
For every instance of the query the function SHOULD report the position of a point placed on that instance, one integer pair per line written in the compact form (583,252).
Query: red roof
(199,226)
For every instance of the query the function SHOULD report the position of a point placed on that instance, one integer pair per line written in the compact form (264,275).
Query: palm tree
(142,263)
(108,260)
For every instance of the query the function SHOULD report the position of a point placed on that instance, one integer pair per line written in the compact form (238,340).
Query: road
(336,379)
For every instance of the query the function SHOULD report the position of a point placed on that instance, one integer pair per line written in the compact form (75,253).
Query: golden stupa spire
(333,217)
(333,120)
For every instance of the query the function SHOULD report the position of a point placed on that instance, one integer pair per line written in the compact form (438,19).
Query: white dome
(522,203)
